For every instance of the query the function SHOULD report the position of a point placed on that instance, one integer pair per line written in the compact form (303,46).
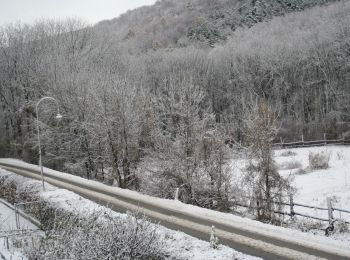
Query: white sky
(91,11)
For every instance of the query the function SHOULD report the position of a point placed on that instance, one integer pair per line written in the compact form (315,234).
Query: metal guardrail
(243,237)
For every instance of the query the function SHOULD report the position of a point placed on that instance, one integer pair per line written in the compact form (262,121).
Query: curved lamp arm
(47,98)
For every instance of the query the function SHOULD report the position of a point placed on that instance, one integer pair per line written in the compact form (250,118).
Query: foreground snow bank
(178,244)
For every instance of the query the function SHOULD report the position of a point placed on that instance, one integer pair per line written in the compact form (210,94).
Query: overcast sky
(91,11)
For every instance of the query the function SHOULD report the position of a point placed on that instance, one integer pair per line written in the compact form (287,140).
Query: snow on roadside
(178,244)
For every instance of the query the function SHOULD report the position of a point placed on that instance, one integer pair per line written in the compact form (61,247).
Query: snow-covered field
(178,245)
(314,186)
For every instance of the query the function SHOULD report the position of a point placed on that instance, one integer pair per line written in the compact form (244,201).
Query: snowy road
(243,235)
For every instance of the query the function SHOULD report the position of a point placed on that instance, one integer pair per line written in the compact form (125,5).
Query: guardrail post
(291,205)
(343,138)
(325,138)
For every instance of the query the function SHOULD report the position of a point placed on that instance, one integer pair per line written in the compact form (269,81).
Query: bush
(305,224)
(73,235)
(290,165)
(341,226)
(319,160)
(99,236)
(300,171)
(340,155)
(288,153)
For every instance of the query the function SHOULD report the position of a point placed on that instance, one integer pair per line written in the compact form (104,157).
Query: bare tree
(268,187)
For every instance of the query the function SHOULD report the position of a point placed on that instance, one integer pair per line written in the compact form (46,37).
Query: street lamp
(58,116)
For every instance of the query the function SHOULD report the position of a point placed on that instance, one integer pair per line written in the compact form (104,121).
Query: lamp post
(58,116)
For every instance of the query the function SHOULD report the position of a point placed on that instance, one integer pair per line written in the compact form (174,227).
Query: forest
(158,98)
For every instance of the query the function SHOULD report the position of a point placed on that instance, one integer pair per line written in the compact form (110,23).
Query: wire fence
(14,223)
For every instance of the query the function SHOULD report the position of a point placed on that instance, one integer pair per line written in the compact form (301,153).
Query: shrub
(340,155)
(305,224)
(288,153)
(73,235)
(319,160)
(290,165)
(300,171)
(99,236)
(341,226)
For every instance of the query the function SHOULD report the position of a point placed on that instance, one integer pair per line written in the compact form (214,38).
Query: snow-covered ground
(339,159)
(10,226)
(178,244)
(314,186)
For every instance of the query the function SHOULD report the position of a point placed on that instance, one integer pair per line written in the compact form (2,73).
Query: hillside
(171,23)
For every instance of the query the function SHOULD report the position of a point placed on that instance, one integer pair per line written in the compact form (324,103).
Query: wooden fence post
(291,205)
(302,139)
(343,137)
(330,210)
(281,142)
(325,138)
(7,243)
